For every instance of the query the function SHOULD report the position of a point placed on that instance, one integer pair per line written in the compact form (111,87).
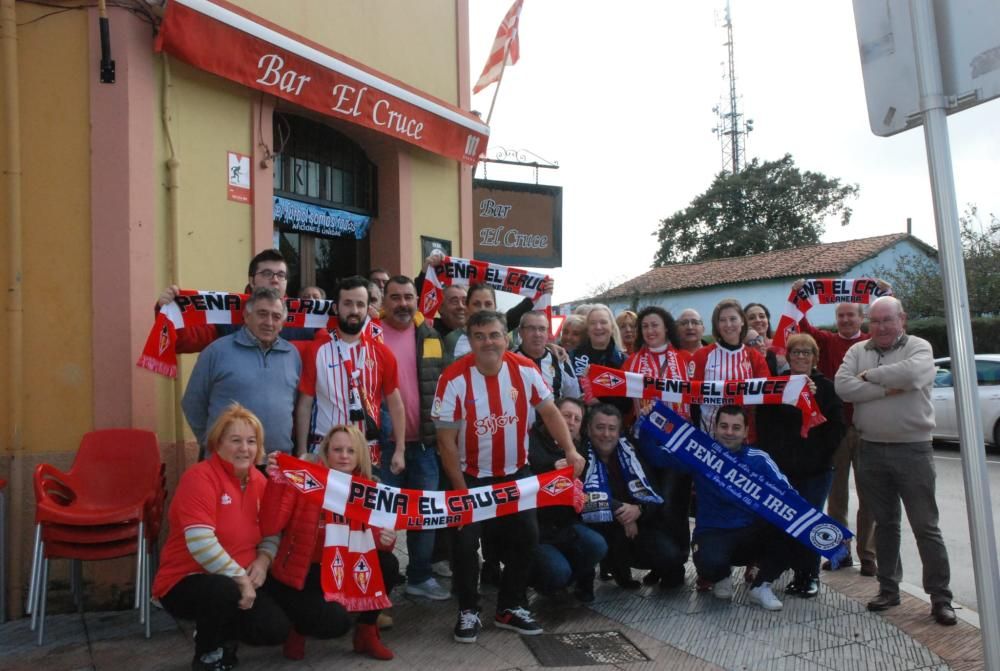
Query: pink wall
(123,176)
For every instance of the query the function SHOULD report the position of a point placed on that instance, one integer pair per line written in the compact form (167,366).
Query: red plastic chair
(110,504)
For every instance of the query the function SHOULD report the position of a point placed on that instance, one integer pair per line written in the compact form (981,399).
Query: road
(954,523)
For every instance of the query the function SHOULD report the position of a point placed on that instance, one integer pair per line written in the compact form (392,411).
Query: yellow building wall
(413,41)
(209,116)
(55,202)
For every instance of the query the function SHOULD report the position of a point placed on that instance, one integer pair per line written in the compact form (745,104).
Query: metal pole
(956,301)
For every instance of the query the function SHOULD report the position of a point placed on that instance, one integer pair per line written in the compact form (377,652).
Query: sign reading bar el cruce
(517,224)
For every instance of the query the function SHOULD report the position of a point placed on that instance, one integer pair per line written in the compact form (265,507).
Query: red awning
(227,41)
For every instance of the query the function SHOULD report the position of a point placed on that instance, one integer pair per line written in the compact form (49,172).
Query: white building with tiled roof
(759,278)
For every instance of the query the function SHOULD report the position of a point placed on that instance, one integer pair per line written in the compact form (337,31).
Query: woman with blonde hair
(602,345)
(216,558)
(297,583)
(628,327)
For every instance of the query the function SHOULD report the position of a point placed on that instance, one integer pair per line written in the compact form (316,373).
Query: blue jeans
(421,473)
(556,565)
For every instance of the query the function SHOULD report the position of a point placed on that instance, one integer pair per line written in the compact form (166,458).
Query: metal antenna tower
(730,129)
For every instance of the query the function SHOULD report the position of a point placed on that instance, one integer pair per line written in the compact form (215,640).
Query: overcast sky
(621,94)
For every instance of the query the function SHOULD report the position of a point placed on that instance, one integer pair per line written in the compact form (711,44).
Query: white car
(943,398)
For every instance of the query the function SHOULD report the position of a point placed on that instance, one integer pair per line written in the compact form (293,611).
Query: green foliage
(767,206)
(916,280)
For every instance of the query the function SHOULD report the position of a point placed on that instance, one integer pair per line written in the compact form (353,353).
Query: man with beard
(345,379)
(417,348)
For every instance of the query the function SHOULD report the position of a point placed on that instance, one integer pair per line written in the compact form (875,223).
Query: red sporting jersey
(671,362)
(325,370)
(491,412)
(712,362)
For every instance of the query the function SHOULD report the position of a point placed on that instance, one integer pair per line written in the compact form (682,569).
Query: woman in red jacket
(296,568)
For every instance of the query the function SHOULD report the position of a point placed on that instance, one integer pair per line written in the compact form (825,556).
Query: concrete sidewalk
(646,629)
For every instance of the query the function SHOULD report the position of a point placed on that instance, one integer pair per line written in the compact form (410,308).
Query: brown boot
(368,641)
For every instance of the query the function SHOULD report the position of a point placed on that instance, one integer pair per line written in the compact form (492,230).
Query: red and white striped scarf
(380,505)
(674,366)
(198,308)
(822,292)
(354,576)
(453,271)
(787,390)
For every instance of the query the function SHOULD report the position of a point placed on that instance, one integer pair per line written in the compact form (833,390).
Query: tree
(767,206)
(916,279)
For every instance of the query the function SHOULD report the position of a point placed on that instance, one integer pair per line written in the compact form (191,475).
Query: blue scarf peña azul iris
(597,489)
(667,437)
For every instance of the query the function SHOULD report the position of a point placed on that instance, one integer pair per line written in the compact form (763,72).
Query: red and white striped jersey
(713,362)
(491,412)
(325,377)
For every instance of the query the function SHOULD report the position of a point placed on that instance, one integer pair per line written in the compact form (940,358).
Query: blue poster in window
(330,222)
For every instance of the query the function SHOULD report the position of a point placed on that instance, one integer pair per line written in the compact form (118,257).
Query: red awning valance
(218,37)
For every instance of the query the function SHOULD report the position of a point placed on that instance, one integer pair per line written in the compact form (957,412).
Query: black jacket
(779,433)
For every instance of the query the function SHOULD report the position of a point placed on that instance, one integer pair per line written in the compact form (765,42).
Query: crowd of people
(477,397)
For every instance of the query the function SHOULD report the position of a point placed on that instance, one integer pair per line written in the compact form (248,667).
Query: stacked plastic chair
(109,505)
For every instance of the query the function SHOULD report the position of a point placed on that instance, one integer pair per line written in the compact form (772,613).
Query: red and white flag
(506,47)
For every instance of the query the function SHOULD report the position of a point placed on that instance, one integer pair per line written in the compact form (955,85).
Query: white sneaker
(723,589)
(764,597)
(442,568)
(430,589)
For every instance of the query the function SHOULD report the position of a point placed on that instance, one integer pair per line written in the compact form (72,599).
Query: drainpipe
(173,236)
(15,309)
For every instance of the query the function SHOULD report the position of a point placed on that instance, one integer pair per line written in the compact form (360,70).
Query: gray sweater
(234,368)
(906,417)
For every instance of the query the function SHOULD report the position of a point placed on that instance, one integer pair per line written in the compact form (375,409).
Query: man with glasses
(691,330)
(267,270)
(888,378)
(534,333)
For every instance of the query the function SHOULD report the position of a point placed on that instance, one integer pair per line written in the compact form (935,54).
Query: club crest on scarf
(557,486)
(608,380)
(337,568)
(164,338)
(303,481)
(362,574)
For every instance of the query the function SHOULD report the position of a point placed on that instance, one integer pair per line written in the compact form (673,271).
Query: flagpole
(506,53)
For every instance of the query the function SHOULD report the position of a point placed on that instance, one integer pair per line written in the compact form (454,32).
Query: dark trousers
(716,551)
(569,557)
(652,548)
(212,602)
(814,489)
(674,487)
(516,536)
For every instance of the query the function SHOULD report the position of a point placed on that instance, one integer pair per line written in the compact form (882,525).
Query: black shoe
(944,614)
(651,578)
(605,572)
(884,601)
(229,660)
(794,587)
(625,580)
(846,562)
(468,626)
(199,664)
(809,588)
(519,620)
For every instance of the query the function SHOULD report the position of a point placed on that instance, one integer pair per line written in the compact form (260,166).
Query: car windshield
(942,378)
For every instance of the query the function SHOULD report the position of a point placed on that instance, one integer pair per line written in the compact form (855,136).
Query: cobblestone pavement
(653,628)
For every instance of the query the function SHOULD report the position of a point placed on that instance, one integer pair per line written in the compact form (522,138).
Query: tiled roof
(812,260)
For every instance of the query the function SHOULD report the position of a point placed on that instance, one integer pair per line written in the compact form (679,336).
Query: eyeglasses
(800,352)
(270,274)
(689,322)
